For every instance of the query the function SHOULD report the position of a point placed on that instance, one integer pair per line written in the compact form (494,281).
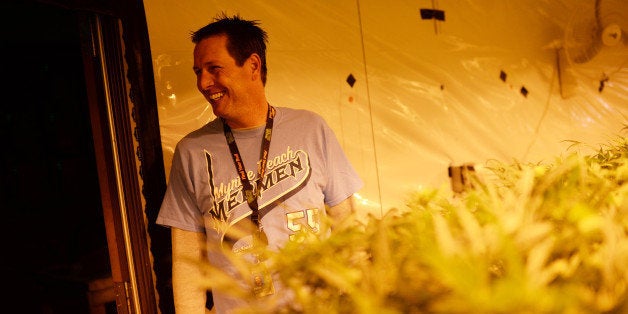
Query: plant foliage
(536,238)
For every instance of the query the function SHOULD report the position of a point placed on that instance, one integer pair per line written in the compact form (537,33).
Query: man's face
(224,84)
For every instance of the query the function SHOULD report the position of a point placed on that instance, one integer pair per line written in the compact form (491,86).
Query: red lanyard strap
(252,193)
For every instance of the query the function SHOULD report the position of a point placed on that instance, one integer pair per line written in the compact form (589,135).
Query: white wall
(428,94)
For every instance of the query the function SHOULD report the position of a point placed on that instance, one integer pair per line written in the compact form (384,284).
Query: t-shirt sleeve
(179,208)
(343,180)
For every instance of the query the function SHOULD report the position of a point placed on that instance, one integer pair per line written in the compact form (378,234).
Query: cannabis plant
(531,238)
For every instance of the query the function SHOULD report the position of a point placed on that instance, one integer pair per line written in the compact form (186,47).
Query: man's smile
(215,96)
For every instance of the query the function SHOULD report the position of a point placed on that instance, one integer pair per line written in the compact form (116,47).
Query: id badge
(262,281)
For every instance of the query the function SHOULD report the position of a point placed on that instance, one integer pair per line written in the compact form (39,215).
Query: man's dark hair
(243,38)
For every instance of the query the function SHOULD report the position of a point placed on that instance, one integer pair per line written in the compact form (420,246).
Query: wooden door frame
(127,143)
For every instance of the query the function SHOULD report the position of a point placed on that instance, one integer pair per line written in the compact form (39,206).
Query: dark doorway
(53,231)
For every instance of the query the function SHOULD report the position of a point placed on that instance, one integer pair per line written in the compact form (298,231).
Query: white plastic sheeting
(490,81)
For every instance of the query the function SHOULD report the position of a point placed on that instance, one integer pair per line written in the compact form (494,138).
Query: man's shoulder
(201,134)
(298,114)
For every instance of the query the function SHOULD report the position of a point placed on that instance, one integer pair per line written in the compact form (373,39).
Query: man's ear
(255,64)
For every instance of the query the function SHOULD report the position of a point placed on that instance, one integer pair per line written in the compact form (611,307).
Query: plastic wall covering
(487,80)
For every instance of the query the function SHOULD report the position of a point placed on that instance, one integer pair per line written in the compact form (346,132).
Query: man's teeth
(216,95)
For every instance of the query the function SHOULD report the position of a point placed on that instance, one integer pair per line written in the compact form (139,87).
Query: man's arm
(340,212)
(188,254)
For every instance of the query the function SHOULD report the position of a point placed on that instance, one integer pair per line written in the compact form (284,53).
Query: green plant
(536,238)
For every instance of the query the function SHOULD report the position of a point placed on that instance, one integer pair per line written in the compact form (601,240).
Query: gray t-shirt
(306,170)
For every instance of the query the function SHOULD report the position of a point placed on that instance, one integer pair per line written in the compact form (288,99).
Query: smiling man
(265,170)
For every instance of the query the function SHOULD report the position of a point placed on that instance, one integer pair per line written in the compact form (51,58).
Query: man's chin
(217,110)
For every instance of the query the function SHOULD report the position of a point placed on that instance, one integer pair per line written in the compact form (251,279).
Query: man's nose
(205,81)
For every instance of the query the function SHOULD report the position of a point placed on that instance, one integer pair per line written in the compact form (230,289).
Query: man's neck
(252,118)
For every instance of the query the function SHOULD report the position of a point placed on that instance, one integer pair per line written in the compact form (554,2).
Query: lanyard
(251,193)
